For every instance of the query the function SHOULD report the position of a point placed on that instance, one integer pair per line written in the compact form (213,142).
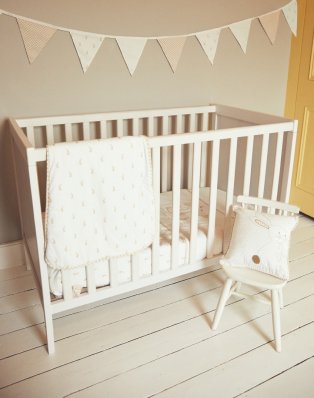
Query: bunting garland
(209,42)
(36,35)
(131,49)
(86,47)
(270,24)
(172,47)
(241,32)
(290,12)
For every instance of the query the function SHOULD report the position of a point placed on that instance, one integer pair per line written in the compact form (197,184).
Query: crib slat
(66,284)
(274,191)
(192,122)
(150,127)
(231,172)
(68,132)
(90,275)
(248,165)
(213,198)
(49,134)
(195,199)
(291,143)
(190,151)
(136,127)
(205,126)
(178,130)
(86,131)
(164,154)
(113,272)
(120,129)
(230,187)
(262,173)
(179,124)
(156,187)
(214,121)
(176,179)
(103,129)
(204,151)
(30,134)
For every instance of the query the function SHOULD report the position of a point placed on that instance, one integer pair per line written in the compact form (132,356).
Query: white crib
(213,153)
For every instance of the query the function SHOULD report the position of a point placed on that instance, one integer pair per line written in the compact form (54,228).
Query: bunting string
(36,35)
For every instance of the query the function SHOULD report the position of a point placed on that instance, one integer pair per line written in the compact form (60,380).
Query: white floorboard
(291,383)
(159,342)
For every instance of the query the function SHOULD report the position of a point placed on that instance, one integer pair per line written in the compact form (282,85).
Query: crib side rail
(125,115)
(248,115)
(161,123)
(201,136)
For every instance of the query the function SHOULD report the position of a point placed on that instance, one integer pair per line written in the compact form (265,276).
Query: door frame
(294,63)
(293,82)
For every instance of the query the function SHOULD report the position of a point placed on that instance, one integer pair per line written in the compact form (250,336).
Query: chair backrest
(268,206)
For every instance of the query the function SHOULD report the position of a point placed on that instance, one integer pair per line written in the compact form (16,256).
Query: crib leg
(49,333)
(26,256)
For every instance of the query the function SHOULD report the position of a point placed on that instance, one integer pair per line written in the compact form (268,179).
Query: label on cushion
(260,242)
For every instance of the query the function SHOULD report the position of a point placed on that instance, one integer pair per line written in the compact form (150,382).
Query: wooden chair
(237,276)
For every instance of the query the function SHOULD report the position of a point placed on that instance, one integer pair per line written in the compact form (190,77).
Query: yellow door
(300,105)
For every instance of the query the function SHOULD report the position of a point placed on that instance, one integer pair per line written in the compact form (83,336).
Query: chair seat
(254,278)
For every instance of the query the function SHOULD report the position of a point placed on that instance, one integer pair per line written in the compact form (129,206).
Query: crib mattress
(78,275)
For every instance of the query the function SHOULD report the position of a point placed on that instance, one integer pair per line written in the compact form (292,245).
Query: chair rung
(255,298)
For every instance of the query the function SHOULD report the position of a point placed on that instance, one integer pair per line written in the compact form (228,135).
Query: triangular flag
(131,49)
(35,37)
(270,24)
(241,32)
(209,42)
(86,47)
(291,14)
(172,48)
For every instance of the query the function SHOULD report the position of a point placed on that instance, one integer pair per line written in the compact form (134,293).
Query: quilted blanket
(99,201)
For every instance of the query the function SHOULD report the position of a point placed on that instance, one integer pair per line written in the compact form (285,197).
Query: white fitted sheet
(78,275)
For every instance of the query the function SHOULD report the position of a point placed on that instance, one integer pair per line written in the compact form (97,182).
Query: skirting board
(12,254)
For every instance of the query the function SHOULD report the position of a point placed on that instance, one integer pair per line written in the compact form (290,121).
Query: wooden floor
(159,342)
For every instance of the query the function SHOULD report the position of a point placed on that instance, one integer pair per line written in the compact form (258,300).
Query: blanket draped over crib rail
(100,201)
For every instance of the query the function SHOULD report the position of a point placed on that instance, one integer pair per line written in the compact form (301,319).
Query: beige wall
(55,84)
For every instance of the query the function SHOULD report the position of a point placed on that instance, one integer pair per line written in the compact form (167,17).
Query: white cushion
(260,241)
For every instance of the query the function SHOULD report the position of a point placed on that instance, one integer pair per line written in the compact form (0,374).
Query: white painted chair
(237,276)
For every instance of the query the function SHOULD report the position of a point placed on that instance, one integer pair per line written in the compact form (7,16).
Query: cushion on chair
(260,241)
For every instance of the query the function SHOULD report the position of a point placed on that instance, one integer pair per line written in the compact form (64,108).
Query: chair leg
(275,305)
(222,302)
(280,292)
